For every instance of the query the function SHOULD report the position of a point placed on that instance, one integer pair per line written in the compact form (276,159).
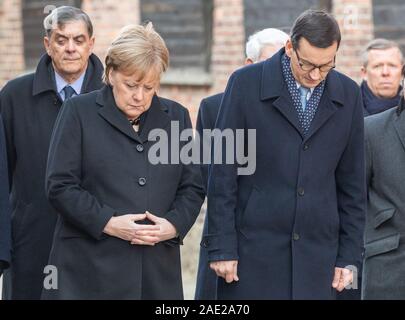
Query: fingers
(151,241)
(226,270)
(336,278)
(147,232)
(342,278)
(146,227)
(137,217)
(152,217)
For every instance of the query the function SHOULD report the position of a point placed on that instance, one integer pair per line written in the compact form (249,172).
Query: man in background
(29,106)
(259,47)
(381,73)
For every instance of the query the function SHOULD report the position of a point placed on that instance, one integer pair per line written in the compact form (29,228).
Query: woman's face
(133,96)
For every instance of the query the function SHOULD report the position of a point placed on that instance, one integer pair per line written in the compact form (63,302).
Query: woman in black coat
(122,214)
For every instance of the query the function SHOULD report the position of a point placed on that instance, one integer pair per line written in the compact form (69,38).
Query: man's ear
(46,45)
(364,73)
(288,48)
(248,61)
(92,42)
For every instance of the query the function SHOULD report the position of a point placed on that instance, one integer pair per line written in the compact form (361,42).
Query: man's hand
(226,269)
(163,231)
(124,227)
(343,277)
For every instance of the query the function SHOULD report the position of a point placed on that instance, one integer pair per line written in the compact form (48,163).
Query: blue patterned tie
(69,91)
(303,94)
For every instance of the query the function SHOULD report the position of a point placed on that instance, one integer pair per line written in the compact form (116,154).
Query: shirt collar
(299,86)
(61,83)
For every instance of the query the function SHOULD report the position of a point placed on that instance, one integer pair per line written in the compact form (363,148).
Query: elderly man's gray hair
(379,44)
(65,14)
(265,37)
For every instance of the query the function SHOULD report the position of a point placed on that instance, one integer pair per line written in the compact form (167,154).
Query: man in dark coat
(260,46)
(383,274)
(5,227)
(293,229)
(380,90)
(29,106)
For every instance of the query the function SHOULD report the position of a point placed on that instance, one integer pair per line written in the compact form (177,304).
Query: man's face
(70,48)
(305,57)
(383,72)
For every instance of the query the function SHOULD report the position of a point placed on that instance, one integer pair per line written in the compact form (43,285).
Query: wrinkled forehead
(71,29)
(389,55)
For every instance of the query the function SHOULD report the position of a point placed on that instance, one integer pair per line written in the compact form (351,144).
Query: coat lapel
(325,110)
(286,107)
(332,99)
(113,115)
(399,125)
(157,117)
(273,86)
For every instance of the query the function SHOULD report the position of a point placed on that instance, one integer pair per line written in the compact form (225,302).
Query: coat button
(301,191)
(205,243)
(139,148)
(142,181)
(306,147)
(296,236)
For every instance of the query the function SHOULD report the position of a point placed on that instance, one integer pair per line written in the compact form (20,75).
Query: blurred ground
(189,256)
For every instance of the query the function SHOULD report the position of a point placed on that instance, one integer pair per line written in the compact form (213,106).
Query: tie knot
(304,91)
(69,91)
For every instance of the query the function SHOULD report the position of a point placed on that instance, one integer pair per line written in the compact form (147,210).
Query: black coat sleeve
(6,110)
(221,236)
(351,192)
(5,219)
(64,174)
(190,193)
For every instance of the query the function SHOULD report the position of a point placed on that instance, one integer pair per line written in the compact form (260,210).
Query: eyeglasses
(308,67)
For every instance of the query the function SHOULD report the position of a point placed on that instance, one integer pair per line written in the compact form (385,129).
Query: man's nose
(385,70)
(71,46)
(315,74)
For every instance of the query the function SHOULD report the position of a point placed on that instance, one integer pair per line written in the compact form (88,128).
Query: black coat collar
(273,83)
(274,86)
(157,118)
(44,77)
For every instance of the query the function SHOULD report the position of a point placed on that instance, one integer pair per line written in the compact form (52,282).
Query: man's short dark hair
(65,14)
(318,27)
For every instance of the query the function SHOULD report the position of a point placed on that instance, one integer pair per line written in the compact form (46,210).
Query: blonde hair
(137,50)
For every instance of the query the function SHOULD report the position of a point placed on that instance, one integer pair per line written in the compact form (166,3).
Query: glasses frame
(314,66)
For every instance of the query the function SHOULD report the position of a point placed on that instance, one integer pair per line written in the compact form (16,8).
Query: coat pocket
(381,246)
(383,216)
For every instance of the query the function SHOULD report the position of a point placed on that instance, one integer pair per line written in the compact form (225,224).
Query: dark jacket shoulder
(14,86)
